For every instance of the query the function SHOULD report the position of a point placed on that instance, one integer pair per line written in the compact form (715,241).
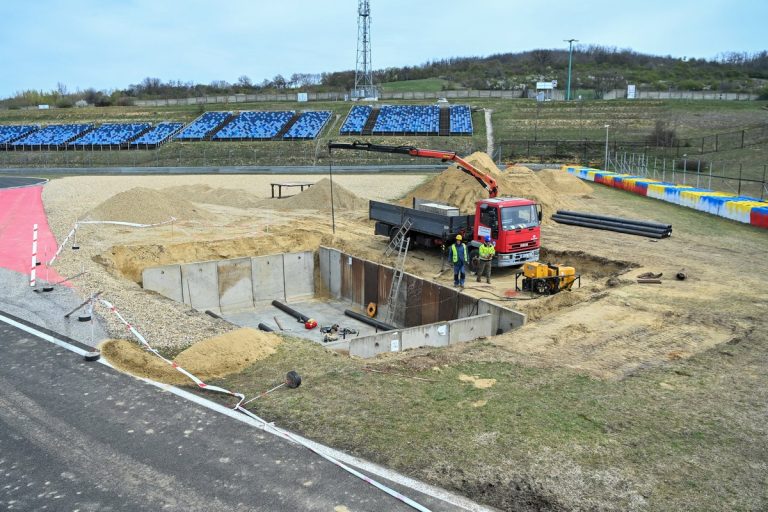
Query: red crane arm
(486,181)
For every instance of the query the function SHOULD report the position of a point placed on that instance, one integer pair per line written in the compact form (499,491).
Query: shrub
(662,136)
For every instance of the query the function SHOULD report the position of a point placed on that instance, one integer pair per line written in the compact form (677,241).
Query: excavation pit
(321,285)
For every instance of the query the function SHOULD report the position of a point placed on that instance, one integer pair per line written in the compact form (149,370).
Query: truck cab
(513,223)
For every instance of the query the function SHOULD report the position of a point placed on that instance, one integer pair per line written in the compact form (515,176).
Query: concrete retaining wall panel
(430,302)
(164,280)
(413,287)
(334,266)
(235,284)
(358,281)
(448,304)
(346,277)
(466,306)
(504,320)
(299,271)
(371,278)
(267,278)
(200,285)
(433,335)
(467,329)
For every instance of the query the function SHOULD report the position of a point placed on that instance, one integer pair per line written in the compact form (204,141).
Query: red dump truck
(511,222)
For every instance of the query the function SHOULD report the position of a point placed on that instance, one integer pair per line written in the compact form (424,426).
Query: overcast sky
(108,44)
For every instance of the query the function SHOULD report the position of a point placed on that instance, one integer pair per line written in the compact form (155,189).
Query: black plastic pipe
(295,314)
(664,232)
(265,328)
(619,229)
(655,225)
(369,321)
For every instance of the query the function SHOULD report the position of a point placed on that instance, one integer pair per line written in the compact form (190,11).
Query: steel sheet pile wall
(431,315)
(739,208)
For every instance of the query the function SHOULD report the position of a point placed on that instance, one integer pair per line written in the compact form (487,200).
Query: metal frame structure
(363,71)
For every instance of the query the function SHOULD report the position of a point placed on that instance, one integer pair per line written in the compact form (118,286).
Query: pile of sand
(200,193)
(145,206)
(564,182)
(318,197)
(459,189)
(209,359)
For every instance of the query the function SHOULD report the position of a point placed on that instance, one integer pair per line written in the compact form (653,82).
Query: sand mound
(563,182)
(318,197)
(209,195)
(457,188)
(145,206)
(209,359)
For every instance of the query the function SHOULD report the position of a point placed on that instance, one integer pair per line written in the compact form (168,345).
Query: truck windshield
(514,217)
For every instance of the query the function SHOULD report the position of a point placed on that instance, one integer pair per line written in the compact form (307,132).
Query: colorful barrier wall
(739,208)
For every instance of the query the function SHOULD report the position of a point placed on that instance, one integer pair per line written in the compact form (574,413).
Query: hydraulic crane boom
(486,181)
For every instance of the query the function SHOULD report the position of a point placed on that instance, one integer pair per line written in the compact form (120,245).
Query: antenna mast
(363,71)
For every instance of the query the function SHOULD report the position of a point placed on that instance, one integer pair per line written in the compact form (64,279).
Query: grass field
(512,120)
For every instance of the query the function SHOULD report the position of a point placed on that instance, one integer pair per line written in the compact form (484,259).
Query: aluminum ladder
(397,241)
(397,275)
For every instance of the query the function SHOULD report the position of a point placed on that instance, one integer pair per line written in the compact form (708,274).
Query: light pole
(570,61)
(606,147)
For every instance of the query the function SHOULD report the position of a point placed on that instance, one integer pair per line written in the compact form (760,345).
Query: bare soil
(608,329)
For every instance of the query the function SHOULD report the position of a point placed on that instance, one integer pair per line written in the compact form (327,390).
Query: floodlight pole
(570,61)
(606,147)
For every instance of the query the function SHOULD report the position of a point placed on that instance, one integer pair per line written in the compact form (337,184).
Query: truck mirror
(538,211)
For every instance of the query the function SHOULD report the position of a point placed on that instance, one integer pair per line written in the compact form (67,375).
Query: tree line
(595,68)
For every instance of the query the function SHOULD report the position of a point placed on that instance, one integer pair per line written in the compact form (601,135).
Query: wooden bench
(280,186)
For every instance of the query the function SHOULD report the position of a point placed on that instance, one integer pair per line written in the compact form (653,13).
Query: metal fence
(731,177)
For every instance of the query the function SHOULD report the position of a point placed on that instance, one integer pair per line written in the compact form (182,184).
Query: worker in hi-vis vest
(459,258)
(484,260)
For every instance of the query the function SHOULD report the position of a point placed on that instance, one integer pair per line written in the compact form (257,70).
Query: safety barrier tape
(266,425)
(116,222)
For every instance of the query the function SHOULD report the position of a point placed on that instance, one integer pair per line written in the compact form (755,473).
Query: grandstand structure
(421,120)
(281,125)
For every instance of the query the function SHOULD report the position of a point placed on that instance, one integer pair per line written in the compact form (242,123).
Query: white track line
(374,469)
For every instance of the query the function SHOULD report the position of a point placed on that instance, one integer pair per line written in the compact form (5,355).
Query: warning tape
(73,231)
(265,425)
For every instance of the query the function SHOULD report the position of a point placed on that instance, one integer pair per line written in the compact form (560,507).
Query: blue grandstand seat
(110,135)
(461,120)
(408,119)
(202,126)
(9,133)
(308,125)
(356,119)
(52,135)
(254,125)
(158,135)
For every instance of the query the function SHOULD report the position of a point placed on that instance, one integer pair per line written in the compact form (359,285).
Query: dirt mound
(563,182)
(145,206)
(457,188)
(200,193)
(208,359)
(318,197)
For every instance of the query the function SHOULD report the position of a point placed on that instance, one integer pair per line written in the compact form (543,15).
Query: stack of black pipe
(632,227)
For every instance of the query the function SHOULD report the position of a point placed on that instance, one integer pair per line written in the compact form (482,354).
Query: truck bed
(427,223)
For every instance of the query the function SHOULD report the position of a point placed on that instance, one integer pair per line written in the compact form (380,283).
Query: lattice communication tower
(363,72)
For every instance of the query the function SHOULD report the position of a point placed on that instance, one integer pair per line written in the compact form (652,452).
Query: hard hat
(487,238)
(458,237)
(310,324)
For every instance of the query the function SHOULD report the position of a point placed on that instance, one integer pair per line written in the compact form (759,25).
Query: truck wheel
(474,256)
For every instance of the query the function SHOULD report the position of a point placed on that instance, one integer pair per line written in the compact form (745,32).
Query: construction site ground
(614,396)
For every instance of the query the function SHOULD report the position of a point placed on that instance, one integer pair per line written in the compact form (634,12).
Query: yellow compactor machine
(547,279)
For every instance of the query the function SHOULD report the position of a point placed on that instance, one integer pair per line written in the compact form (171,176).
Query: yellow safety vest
(455,253)
(487,252)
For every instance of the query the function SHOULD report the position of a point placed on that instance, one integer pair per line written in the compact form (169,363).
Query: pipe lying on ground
(295,314)
(265,328)
(369,321)
(664,230)
(649,224)
(619,229)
